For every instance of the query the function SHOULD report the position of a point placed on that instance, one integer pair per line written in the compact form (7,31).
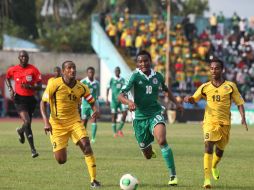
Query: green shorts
(143,129)
(86,113)
(118,106)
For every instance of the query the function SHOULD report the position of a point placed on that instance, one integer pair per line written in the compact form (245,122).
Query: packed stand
(190,51)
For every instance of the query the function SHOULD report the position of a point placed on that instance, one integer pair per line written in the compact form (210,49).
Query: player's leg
(26,128)
(219,149)
(61,156)
(208,157)
(86,148)
(167,153)
(113,119)
(113,107)
(80,137)
(217,155)
(121,124)
(94,129)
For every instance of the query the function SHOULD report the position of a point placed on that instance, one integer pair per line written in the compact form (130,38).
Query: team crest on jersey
(226,88)
(155,81)
(29,78)
(140,82)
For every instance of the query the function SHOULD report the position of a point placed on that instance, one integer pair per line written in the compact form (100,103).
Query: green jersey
(146,92)
(116,84)
(94,88)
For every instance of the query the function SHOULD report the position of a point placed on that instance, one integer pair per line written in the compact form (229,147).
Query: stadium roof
(11,43)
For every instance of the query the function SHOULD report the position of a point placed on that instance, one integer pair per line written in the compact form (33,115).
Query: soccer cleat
(120,133)
(115,135)
(95,184)
(207,184)
(216,173)
(154,155)
(93,141)
(34,153)
(21,135)
(173,180)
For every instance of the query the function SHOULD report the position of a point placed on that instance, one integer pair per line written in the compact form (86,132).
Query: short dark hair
(67,61)
(144,52)
(217,60)
(90,68)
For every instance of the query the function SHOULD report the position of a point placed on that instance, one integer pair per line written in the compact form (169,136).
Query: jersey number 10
(149,89)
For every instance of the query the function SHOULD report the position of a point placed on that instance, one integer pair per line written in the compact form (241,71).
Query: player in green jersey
(115,84)
(86,110)
(148,119)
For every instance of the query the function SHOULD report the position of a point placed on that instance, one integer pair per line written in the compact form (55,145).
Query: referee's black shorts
(25,103)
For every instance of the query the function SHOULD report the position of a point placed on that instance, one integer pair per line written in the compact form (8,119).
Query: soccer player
(115,84)
(57,73)
(64,94)
(86,110)
(219,94)
(148,119)
(27,79)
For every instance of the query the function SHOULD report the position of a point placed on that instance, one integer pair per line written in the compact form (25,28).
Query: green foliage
(74,37)
(117,156)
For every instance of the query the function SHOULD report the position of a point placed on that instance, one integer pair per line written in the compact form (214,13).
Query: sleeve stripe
(90,100)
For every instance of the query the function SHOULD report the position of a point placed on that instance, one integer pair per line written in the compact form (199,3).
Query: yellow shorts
(217,133)
(61,134)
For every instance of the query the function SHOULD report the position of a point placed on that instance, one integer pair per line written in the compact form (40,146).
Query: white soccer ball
(128,182)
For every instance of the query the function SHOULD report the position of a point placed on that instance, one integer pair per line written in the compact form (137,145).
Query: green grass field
(116,157)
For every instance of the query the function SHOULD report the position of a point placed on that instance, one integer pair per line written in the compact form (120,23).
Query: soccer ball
(128,182)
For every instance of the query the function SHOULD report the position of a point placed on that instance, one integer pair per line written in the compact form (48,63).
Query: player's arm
(196,96)
(237,98)
(242,113)
(89,98)
(122,97)
(36,86)
(43,108)
(10,88)
(171,97)
(124,100)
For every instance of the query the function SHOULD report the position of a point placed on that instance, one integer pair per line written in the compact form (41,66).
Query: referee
(27,80)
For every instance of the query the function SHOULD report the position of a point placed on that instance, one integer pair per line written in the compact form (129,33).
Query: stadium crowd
(190,50)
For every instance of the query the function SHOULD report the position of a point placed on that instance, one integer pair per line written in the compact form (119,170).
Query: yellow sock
(216,160)
(208,165)
(90,162)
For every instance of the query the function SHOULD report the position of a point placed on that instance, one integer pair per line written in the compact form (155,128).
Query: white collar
(147,77)
(91,82)
(117,78)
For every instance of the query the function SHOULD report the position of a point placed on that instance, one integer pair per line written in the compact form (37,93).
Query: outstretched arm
(173,99)
(242,112)
(126,101)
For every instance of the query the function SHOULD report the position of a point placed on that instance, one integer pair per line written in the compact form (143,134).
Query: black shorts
(25,103)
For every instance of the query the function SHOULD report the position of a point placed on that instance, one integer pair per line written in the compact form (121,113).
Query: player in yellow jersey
(64,94)
(219,94)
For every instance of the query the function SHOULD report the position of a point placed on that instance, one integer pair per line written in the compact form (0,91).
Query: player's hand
(48,128)
(244,123)
(189,99)
(95,114)
(131,106)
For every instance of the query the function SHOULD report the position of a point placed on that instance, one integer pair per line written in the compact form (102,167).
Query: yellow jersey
(64,101)
(219,101)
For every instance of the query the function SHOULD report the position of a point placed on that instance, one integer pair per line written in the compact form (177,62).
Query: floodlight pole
(167,73)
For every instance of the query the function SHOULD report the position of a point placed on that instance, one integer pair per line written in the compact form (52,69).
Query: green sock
(94,129)
(121,124)
(167,154)
(114,128)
